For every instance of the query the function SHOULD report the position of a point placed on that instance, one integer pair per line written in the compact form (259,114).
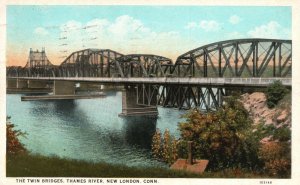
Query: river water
(89,129)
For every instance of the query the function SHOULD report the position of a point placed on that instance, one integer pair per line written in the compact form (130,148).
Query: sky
(161,30)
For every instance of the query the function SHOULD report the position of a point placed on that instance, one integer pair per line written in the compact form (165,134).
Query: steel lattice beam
(145,66)
(231,58)
(237,58)
(180,96)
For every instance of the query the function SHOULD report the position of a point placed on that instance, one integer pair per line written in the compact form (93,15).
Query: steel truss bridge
(254,60)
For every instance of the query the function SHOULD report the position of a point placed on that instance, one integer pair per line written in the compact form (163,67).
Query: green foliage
(274,93)
(13,144)
(165,148)
(223,137)
(282,134)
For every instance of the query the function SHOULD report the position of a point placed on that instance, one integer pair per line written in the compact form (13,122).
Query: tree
(223,137)
(164,148)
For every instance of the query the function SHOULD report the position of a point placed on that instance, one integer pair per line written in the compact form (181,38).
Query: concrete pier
(130,106)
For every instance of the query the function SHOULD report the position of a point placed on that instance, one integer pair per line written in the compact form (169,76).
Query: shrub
(223,137)
(282,134)
(13,144)
(165,148)
(156,144)
(277,158)
(274,93)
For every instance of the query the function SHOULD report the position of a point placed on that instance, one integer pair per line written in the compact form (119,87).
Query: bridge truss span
(180,96)
(145,65)
(237,58)
(90,63)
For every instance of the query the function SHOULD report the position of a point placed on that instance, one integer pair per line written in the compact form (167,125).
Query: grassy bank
(27,165)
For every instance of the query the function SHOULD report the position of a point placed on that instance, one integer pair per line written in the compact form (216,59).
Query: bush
(274,93)
(282,134)
(276,154)
(277,158)
(223,137)
(13,144)
(164,149)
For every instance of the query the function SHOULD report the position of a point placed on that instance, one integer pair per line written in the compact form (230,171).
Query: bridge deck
(247,82)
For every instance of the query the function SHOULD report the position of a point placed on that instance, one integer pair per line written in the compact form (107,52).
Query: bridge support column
(36,84)
(63,88)
(130,107)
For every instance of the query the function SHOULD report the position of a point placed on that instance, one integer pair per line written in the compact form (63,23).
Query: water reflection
(139,130)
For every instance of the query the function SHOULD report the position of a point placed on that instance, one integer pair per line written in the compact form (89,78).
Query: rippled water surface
(89,129)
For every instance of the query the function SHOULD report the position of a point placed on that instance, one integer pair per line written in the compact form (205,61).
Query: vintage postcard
(162,92)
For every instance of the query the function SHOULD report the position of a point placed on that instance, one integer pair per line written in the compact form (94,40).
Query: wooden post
(190,154)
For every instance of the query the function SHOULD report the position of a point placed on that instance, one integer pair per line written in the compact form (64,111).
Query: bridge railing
(262,81)
(173,80)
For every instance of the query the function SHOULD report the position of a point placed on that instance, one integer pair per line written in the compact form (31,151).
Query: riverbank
(28,165)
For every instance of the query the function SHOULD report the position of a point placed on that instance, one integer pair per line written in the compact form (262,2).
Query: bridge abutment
(130,106)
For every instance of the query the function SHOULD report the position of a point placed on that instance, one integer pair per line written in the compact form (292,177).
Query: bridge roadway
(214,82)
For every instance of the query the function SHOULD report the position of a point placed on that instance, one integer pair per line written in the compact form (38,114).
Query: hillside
(256,104)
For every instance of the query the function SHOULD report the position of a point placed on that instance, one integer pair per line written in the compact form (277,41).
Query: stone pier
(130,107)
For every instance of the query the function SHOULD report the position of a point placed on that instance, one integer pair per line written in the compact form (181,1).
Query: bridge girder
(90,62)
(237,58)
(180,96)
(231,58)
(145,65)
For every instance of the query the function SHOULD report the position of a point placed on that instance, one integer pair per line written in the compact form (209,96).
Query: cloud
(210,25)
(41,31)
(125,34)
(125,26)
(206,25)
(191,25)
(270,30)
(234,19)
